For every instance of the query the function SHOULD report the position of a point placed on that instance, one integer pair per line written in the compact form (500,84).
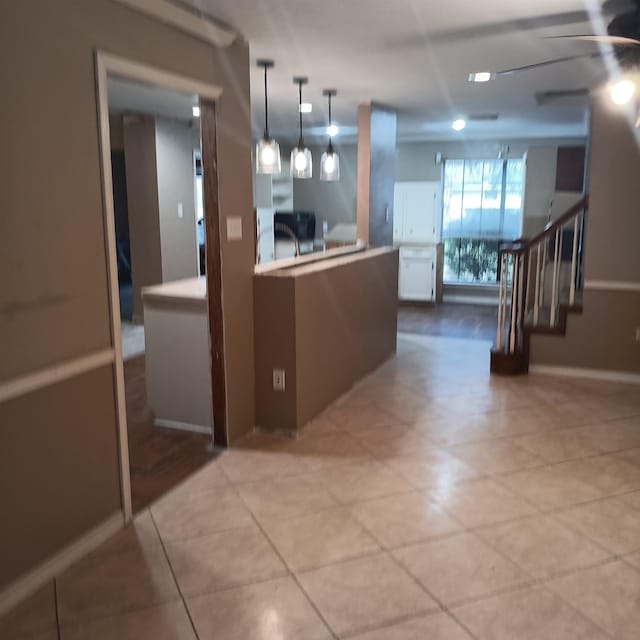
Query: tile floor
(432,502)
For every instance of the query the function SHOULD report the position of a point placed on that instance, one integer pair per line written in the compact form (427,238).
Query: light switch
(234,228)
(180,210)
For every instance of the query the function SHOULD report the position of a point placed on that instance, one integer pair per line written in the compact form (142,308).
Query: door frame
(108,64)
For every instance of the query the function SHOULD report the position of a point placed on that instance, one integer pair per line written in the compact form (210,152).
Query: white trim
(105,64)
(462,299)
(191,23)
(29,583)
(611,285)
(57,373)
(182,426)
(146,74)
(580,372)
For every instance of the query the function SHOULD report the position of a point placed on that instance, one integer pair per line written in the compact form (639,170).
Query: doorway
(166,315)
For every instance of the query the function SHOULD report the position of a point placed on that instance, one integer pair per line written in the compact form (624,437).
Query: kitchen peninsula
(318,329)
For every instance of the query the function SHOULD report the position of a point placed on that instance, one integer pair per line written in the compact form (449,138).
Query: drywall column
(142,199)
(604,336)
(376,174)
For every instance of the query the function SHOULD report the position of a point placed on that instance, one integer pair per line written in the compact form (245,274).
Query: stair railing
(535,280)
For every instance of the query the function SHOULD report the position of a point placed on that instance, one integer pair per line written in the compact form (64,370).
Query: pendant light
(301,155)
(267,149)
(330,162)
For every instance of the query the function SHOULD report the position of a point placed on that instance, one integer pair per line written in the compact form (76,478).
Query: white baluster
(527,297)
(536,301)
(500,290)
(574,262)
(555,281)
(514,305)
(521,298)
(543,270)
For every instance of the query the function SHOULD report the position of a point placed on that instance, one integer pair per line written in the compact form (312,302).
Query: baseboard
(581,372)
(182,426)
(37,578)
(462,299)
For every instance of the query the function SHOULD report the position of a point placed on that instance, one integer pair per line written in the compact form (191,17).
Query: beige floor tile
(189,516)
(432,468)
(360,481)
(614,436)
(327,451)
(398,441)
(609,474)
(551,487)
(265,611)
(115,583)
(495,456)
(437,626)
(404,519)
(631,455)
(323,538)
(609,522)
(140,533)
(251,464)
(33,618)
(364,594)
(318,427)
(481,502)
(542,547)
(164,622)
(557,446)
(221,560)
(285,497)
(632,499)
(459,568)
(609,595)
(211,476)
(360,418)
(531,614)
(634,559)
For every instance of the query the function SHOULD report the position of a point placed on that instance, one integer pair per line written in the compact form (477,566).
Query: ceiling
(415,56)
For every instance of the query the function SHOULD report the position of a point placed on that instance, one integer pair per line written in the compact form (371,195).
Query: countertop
(184,293)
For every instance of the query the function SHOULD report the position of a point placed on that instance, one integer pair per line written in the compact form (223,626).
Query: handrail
(522,246)
(533,281)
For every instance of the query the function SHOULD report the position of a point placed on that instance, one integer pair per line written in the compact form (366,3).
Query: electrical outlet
(278,380)
(637,334)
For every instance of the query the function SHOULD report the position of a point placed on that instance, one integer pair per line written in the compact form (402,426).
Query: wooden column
(214,270)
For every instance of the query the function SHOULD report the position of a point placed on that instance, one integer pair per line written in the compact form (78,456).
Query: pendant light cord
(330,149)
(300,141)
(266,107)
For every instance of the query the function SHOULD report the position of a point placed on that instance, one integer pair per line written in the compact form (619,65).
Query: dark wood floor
(452,320)
(159,458)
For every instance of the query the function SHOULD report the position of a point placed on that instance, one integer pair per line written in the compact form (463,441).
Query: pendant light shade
(330,162)
(267,150)
(301,160)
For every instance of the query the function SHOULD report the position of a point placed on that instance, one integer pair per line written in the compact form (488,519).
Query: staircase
(540,285)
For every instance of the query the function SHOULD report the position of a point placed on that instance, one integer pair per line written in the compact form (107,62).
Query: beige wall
(53,271)
(142,204)
(327,326)
(175,144)
(603,337)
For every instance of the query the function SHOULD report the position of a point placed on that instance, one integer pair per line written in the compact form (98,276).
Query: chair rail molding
(612,285)
(191,21)
(22,385)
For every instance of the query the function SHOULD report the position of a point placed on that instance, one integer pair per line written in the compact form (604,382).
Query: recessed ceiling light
(333,130)
(306,107)
(458,125)
(195,111)
(480,76)
(622,91)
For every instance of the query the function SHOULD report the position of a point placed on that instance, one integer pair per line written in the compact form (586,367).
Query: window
(482,206)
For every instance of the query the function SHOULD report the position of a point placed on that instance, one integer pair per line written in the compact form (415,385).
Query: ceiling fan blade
(511,26)
(614,40)
(547,63)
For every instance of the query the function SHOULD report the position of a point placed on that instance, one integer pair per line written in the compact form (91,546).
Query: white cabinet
(416,211)
(417,275)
